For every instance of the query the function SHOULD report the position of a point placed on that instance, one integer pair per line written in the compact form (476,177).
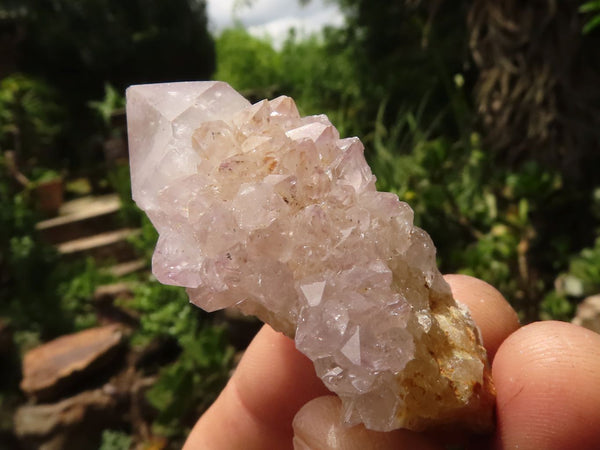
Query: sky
(274,17)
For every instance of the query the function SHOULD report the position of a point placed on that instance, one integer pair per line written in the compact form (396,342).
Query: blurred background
(483,115)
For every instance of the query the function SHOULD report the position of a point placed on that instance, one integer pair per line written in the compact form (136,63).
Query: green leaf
(115,440)
(590,6)
(523,210)
(591,24)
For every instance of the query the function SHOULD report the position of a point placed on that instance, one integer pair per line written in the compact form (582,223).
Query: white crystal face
(272,213)
(173,110)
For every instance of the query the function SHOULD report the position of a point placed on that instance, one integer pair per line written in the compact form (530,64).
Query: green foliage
(44,298)
(78,282)
(17,218)
(405,51)
(41,296)
(40,175)
(23,258)
(583,275)
(144,242)
(113,101)
(30,117)
(580,280)
(115,440)
(481,217)
(556,306)
(120,181)
(193,382)
(164,310)
(190,384)
(319,87)
(246,62)
(591,7)
(252,65)
(586,268)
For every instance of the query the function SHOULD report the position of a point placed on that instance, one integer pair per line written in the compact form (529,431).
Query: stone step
(50,369)
(80,218)
(108,246)
(127,268)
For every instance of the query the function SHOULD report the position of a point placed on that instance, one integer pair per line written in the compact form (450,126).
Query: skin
(547,377)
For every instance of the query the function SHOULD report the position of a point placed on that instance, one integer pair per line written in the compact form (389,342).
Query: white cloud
(219,13)
(274,17)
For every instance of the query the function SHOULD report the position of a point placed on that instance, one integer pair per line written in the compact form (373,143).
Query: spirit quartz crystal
(272,213)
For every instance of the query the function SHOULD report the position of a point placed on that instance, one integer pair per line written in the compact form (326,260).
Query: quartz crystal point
(272,213)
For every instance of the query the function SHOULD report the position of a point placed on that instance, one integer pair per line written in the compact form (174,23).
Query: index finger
(493,315)
(256,408)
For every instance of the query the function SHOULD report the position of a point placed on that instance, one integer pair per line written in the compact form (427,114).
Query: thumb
(318,426)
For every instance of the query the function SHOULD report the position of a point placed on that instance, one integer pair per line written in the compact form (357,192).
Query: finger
(547,377)
(318,425)
(256,408)
(492,313)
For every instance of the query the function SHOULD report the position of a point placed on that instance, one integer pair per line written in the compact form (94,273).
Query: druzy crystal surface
(272,213)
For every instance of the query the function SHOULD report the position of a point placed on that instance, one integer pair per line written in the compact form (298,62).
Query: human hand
(547,377)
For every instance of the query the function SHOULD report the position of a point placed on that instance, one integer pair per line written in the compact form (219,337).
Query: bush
(483,218)
(31,118)
(190,384)
(115,440)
